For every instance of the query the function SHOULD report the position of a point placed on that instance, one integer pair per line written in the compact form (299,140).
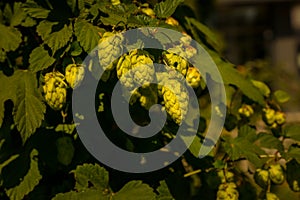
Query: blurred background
(263,36)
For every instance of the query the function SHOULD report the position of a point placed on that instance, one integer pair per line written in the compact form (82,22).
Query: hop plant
(115,2)
(74,75)
(135,68)
(176,61)
(176,100)
(193,77)
(262,178)
(148,11)
(246,110)
(226,177)
(271,196)
(55,90)
(109,50)
(171,21)
(227,191)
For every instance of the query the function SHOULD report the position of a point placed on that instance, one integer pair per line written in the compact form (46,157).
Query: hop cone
(227,191)
(109,50)
(193,77)
(262,177)
(74,75)
(176,99)
(176,61)
(135,68)
(55,90)
(276,174)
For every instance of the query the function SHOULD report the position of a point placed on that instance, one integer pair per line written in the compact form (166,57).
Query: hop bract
(176,61)
(227,191)
(74,75)
(55,90)
(262,178)
(193,77)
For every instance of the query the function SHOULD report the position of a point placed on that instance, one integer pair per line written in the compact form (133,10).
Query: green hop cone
(109,50)
(193,77)
(271,196)
(269,116)
(227,191)
(135,68)
(262,178)
(276,174)
(246,110)
(74,75)
(115,2)
(176,60)
(176,99)
(55,90)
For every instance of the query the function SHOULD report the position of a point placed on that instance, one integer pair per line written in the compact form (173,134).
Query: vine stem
(192,173)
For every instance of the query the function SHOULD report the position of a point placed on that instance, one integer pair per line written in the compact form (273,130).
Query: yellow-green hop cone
(148,11)
(115,2)
(176,100)
(74,75)
(229,176)
(262,178)
(55,90)
(227,191)
(177,62)
(269,116)
(276,174)
(246,110)
(135,69)
(193,77)
(271,196)
(296,186)
(280,117)
(110,47)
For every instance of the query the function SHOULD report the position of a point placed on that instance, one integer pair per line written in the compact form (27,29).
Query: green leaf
(29,182)
(141,21)
(136,190)
(45,28)
(166,8)
(35,11)
(247,133)
(65,150)
(40,59)
(10,38)
(113,19)
(292,131)
(293,153)
(281,96)
(194,146)
(76,49)
(94,174)
(231,76)
(268,141)
(88,194)
(164,192)
(19,15)
(29,109)
(242,148)
(59,39)
(87,34)
(263,88)
(211,37)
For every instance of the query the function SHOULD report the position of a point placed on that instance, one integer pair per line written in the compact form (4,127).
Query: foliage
(42,156)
